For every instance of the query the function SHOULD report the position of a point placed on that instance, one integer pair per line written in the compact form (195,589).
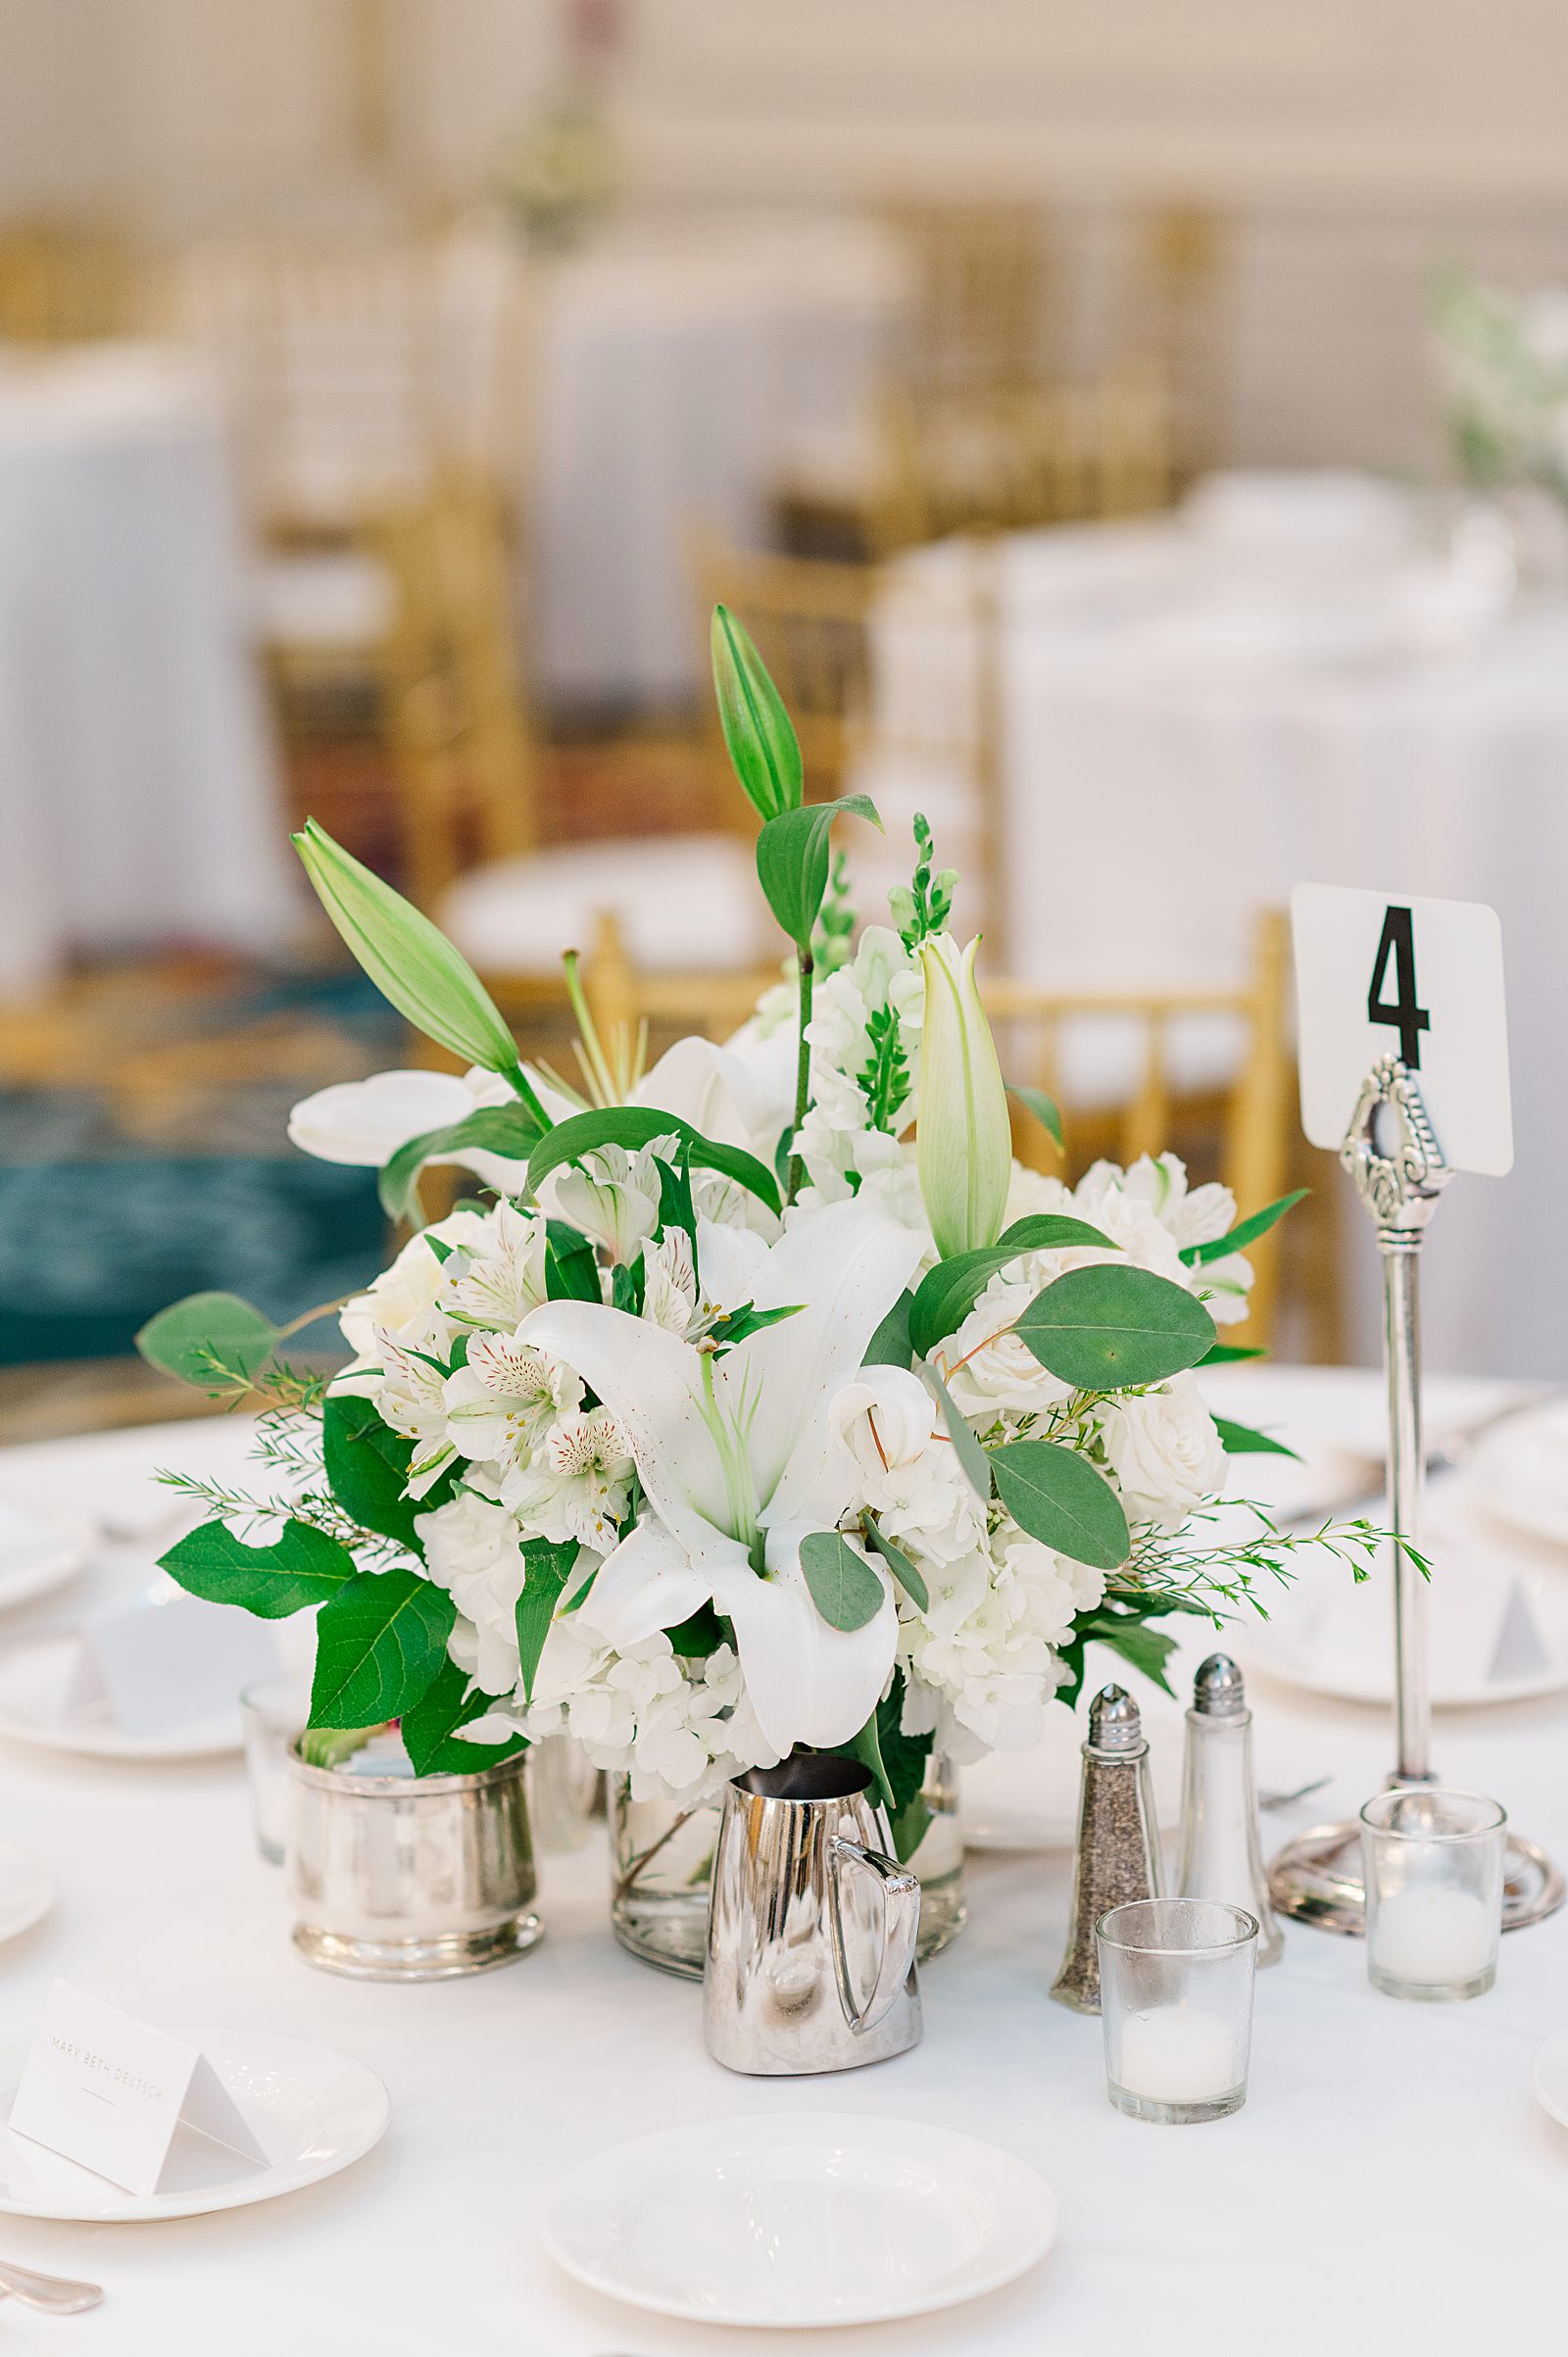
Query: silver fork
(1284,1800)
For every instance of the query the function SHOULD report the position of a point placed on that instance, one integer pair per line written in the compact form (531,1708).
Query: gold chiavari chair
(468,763)
(1172,317)
(1013,460)
(63,283)
(981,281)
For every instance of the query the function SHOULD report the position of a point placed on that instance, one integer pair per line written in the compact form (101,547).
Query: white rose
(1164,1450)
(989,1366)
(471,1550)
(909,1473)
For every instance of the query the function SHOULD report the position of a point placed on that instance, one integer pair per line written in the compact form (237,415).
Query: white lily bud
(965,1138)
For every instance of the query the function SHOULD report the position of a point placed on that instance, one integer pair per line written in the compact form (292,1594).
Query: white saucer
(799,2220)
(35,1558)
(26,1890)
(31,1680)
(1548,2075)
(313,2113)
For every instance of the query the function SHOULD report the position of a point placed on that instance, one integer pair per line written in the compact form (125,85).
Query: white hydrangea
(986,1646)
(910,1474)
(678,1728)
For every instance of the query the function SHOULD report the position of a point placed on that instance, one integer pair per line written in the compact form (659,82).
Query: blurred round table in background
(1310,679)
(139,798)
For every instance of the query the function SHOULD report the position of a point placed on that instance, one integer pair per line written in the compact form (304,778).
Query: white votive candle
(1434,1938)
(1177,2054)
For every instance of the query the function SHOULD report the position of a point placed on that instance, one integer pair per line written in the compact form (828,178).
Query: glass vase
(662,1863)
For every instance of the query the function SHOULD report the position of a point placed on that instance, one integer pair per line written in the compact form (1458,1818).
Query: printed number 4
(1403,1012)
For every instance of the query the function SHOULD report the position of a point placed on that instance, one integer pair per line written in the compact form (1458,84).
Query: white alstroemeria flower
(739,1460)
(909,1471)
(669,1284)
(411,1400)
(580,1483)
(365,1121)
(504,1276)
(1164,1450)
(502,1405)
(613,1195)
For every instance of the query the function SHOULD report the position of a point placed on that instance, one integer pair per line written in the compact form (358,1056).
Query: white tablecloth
(1196,718)
(677,373)
(1390,2183)
(138,790)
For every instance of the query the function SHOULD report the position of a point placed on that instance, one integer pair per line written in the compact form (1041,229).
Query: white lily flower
(740,1462)
(365,1121)
(965,1138)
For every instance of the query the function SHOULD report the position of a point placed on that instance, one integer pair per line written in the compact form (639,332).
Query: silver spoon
(56,2294)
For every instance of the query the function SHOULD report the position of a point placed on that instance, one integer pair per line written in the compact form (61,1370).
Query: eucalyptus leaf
(908,1574)
(971,1456)
(1059,1498)
(758,734)
(379,1642)
(844,1587)
(635,1125)
(213,1341)
(510,1130)
(793,853)
(949,1292)
(547,1567)
(1224,1354)
(1244,1439)
(1245,1232)
(304,1567)
(1111,1329)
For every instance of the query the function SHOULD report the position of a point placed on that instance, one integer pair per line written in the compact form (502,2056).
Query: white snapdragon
(882,981)
(1164,1449)
(578,1484)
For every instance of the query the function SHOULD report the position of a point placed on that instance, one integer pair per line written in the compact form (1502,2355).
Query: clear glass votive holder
(1433,1862)
(1176,1979)
(272,1713)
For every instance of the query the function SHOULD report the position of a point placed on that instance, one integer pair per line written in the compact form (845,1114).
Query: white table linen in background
(1198,714)
(138,791)
(677,370)
(1390,2183)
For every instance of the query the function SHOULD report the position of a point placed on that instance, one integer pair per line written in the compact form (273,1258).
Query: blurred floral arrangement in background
(1502,367)
(761,1398)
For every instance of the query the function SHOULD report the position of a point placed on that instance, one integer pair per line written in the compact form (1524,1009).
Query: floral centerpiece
(1503,362)
(759,1399)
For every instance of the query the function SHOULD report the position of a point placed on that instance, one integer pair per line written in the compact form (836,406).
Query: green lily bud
(764,750)
(963,1141)
(410,960)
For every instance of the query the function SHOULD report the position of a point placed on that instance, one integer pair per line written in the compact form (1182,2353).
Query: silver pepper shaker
(1118,1846)
(1221,1854)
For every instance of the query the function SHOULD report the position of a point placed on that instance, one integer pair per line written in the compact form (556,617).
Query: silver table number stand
(1399,1174)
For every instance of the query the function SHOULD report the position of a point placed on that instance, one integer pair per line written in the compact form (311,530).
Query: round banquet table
(139,798)
(1389,2184)
(1291,681)
(679,368)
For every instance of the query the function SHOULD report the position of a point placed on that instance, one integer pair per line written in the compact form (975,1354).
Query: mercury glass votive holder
(1176,1979)
(1433,1862)
(272,1712)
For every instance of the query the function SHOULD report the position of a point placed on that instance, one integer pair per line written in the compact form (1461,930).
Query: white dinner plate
(33,1679)
(35,1558)
(1548,2075)
(1519,1471)
(799,2220)
(26,1890)
(311,2112)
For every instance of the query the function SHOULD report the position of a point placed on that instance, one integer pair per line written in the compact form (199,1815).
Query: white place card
(167,1661)
(1380,973)
(109,2093)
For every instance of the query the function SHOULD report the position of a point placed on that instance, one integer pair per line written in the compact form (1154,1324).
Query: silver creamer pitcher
(811,1929)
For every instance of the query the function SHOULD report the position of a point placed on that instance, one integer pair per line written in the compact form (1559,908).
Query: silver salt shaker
(1221,1854)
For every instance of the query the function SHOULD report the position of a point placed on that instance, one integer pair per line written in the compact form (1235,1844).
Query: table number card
(109,2093)
(1389,974)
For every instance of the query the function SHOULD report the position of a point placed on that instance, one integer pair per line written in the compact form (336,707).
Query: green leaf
(764,750)
(890,1346)
(302,1568)
(1060,1498)
(898,1762)
(1242,1440)
(949,1290)
(1146,1649)
(1044,1109)
(971,1456)
(1245,1232)
(430,1735)
(211,1341)
(634,1125)
(379,1642)
(1225,1354)
(571,1271)
(547,1567)
(792,861)
(897,1562)
(844,1587)
(736,1324)
(700,1635)
(367,1468)
(504,1129)
(1109,1329)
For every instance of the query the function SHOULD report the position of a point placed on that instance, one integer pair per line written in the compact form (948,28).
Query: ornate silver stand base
(1317,1879)
(450,1958)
